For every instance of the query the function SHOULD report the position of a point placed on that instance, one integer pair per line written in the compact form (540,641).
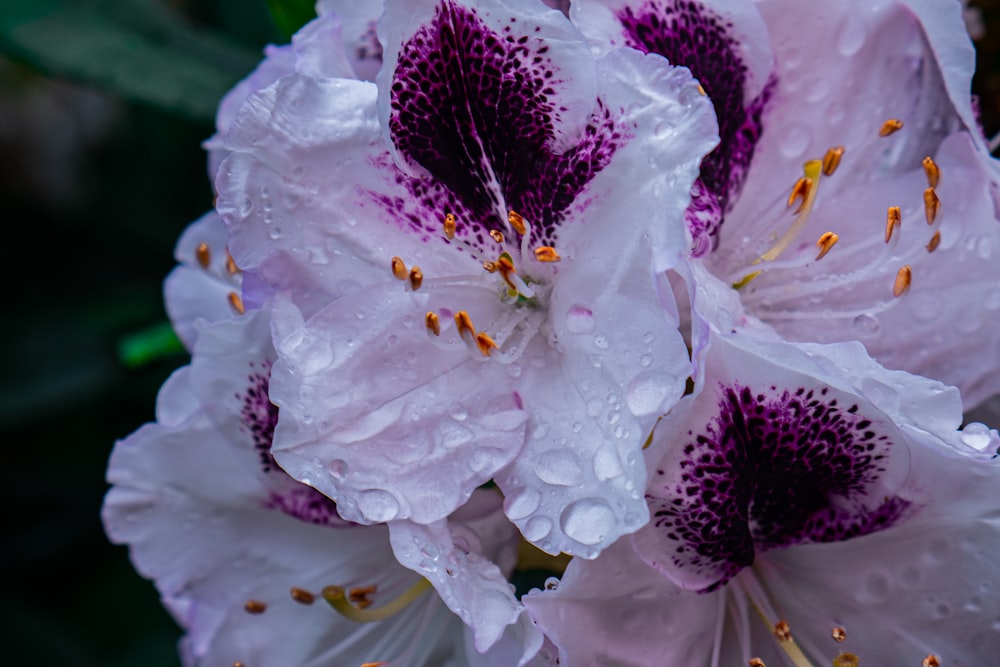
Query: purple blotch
(690,35)
(770,471)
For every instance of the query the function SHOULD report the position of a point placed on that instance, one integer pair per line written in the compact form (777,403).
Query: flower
(808,506)
(456,301)
(875,98)
(243,555)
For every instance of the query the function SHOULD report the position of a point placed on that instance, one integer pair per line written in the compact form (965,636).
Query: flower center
(778,274)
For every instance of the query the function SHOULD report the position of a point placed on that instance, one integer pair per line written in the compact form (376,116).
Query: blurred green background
(103,106)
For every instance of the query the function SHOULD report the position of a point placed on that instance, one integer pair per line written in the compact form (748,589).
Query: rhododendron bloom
(465,260)
(808,508)
(851,196)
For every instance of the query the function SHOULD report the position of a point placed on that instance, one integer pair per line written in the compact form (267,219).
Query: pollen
(800,191)
(826,243)
(497,236)
(832,160)
(399,268)
(756,662)
(231,267)
(359,596)
(931,661)
(203,255)
(491,267)
(782,631)
(236,302)
(902,283)
(485,344)
(516,221)
(302,596)
(890,126)
(932,171)
(893,221)
(416,278)
(846,660)
(254,607)
(934,242)
(433,323)
(931,205)
(701,90)
(838,634)
(449,225)
(546,254)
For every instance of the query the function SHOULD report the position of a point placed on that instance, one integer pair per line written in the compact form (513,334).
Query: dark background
(103,106)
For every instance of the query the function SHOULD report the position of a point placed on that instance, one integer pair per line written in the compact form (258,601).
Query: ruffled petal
(361,43)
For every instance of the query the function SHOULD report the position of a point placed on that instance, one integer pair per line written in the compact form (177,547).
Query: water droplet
(559,468)
(337,468)
(941,611)
(614,417)
(865,324)
(911,577)
(601,342)
(794,140)
(458,412)
(247,207)
(606,462)
(552,583)
(589,521)
(647,392)
(851,34)
(977,435)
(645,360)
(378,505)
(514,371)
(648,337)
(974,604)
(521,504)
(537,528)
(877,587)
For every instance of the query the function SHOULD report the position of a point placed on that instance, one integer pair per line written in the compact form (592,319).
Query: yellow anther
(782,632)
(491,267)
(546,254)
(302,596)
(334,596)
(903,278)
(832,160)
(838,634)
(931,661)
(203,255)
(932,171)
(890,126)
(416,278)
(254,607)
(506,268)
(826,243)
(464,324)
(701,90)
(238,664)
(931,205)
(756,662)
(516,221)
(746,280)
(485,343)
(374,664)
(399,268)
(800,191)
(934,242)
(893,221)
(846,660)
(433,323)
(449,225)
(231,267)
(497,236)
(236,302)
(359,596)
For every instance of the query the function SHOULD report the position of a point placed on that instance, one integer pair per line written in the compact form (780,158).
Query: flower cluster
(690,294)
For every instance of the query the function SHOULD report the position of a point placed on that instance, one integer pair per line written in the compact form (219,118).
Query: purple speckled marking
(690,35)
(772,470)
(368,47)
(259,417)
(477,109)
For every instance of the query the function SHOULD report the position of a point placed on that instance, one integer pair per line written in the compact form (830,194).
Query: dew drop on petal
(588,521)
(457,412)
(521,503)
(579,319)
(876,587)
(865,324)
(606,463)
(977,435)
(647,391)
(851,34)
(794,140)
(559,468)
(378,505)
(601,342)
(337,468)
(537,528)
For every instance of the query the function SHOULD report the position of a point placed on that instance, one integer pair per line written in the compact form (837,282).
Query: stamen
(416,278)
(254,607)
(934,242)
(826,243)
(399,268)
(302,596)
(757,662)
(485,343)
(490,267)
(838,634)
(546,254)
(932,171)
(506,267)
(374,664)
(782,631)
(334,595)
(931,661)
(236,302)
(203,254)
(812,170)
(903,278)
(846,660)
(745,280)
(433,323)
(832,160)
(516,221)
(359,596)
(464,324)
(931,205)
(238,664)
(701,91)
(893,221)
(231,267)
(449,225)
(890,126)
(799,191)
(497,236)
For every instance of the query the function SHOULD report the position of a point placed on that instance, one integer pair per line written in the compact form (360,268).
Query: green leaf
(149,345)
(139,49)
(290,15)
